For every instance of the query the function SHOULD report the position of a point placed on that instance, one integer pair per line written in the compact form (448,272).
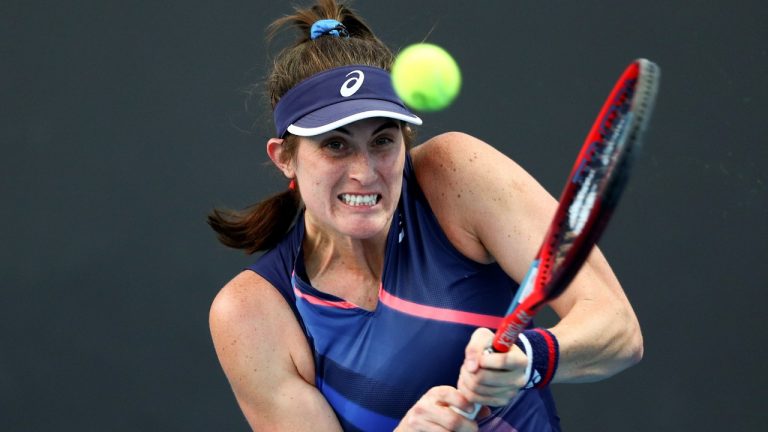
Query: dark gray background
(123,123)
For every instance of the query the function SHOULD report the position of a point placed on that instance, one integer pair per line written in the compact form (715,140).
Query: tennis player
(386,265)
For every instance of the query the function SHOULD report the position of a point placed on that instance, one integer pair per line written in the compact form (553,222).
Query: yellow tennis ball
(426,77)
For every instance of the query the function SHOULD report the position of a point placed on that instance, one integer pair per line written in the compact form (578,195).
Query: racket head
(591,193)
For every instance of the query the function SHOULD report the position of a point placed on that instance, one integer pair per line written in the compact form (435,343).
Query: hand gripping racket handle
(520,313)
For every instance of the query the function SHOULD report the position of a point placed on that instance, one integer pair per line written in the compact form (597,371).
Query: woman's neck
(325,251)
(346,267)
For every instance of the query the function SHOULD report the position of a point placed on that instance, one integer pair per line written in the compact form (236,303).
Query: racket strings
(600,160)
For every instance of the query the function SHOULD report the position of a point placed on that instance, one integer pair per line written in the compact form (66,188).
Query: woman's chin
(364,227)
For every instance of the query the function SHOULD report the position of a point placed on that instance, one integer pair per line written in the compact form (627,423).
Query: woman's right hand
(434,412)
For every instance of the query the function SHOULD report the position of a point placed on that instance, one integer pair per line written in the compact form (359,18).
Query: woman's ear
(275,151)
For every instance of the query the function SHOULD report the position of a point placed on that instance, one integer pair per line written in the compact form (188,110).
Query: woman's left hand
(489,378)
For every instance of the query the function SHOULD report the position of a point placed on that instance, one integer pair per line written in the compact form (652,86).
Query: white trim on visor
(301,131)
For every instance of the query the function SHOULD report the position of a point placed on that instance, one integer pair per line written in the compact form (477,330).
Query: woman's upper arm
(491,209)
(488,206)
(495,210)
(266,358)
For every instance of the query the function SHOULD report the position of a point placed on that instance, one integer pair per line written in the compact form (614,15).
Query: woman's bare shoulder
(248,296)
(459,174)
(250,316)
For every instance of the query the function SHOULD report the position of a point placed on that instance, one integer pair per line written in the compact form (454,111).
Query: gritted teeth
(360,200)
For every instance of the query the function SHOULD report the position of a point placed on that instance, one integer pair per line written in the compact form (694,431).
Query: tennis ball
(426,77)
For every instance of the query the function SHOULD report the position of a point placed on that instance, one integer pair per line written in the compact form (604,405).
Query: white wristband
(529,367)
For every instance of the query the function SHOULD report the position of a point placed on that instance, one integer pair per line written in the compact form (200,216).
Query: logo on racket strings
(599,158)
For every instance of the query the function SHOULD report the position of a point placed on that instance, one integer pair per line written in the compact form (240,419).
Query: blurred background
(122,124)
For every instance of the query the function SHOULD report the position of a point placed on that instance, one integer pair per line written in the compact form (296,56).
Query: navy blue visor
(337,97)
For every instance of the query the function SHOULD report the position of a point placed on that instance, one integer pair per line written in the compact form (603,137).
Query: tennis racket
(591,193)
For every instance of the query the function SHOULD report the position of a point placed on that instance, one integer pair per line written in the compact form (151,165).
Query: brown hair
(261,226)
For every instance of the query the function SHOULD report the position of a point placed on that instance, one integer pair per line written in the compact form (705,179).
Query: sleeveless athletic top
(372,366)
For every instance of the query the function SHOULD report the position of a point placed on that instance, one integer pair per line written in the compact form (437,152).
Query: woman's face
(350,178)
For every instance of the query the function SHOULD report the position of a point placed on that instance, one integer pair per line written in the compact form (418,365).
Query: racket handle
(471,414)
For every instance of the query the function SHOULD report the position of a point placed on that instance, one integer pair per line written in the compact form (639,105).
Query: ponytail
(258,227)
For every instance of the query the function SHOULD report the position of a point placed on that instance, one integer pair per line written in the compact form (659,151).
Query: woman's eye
(334,145)
(381,141)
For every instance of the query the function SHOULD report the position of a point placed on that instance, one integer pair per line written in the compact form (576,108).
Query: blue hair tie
(328,27)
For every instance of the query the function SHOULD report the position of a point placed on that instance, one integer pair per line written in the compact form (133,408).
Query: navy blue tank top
(372,366)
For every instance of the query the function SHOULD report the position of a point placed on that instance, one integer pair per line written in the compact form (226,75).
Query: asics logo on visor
(352,85)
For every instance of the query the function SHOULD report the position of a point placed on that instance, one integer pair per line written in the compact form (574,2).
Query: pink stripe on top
(318,301)
(439,314)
